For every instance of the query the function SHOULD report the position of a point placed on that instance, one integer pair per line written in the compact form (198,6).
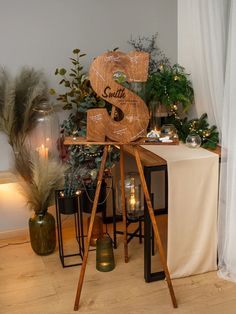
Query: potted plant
(169,86)
(83,161)
(44,176)
(39,173)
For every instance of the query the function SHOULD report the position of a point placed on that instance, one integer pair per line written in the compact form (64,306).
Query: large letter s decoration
(135,112)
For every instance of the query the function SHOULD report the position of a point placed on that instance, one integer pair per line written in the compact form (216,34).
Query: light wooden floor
(31,284)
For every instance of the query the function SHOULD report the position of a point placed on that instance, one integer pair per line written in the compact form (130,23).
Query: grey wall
(43,33)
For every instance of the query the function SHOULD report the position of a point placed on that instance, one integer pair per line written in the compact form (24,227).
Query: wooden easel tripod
(150,210)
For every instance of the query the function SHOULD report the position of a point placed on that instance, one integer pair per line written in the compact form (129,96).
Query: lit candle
(132,195)
(43,152)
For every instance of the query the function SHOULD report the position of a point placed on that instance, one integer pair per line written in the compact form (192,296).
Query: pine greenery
(170,85)
(209,134)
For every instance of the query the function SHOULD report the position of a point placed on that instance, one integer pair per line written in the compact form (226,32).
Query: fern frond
(17,99)
(37,95)
(7,100)
(30,89)
(7,120)
(23,162)
(47,176)
(3,82)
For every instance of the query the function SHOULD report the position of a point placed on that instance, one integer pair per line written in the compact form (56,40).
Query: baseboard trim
(15,234)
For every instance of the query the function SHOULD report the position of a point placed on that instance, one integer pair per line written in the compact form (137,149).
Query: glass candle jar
(193,141)
(168,130)
(134,201)
(43,139)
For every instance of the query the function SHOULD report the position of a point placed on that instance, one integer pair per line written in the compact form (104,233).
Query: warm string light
(175,78)
(91,155)
(174,111)
(203,133)
(62,194)
(206,133)
(165,91)
(81,150)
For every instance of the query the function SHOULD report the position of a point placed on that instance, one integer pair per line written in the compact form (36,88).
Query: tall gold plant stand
(82,141)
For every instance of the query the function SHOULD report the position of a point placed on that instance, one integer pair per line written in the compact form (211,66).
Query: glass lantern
(168,130)
(134,200)
(193,141)
(158,113)
(43,139)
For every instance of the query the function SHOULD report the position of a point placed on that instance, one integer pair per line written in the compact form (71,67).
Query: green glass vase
(42,233)
(104,254)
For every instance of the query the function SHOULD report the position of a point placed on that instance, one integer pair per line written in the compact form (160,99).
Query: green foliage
(166,84)
(78,91)
(170,85)
(84,161)
(209,135)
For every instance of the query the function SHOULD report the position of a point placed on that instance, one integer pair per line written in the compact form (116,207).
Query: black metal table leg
(150,276)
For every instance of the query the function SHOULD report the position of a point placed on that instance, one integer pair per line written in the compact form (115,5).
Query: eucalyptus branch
(149,45)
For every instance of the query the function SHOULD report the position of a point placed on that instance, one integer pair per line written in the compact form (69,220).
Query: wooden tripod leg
(94,209)
(155,228)
(122,180)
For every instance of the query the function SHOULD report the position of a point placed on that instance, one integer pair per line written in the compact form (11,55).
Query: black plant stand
(79,232)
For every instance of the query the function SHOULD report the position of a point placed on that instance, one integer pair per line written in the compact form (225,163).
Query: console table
(205,238)
(151,163)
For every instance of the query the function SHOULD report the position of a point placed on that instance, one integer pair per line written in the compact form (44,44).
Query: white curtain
(227,208)
(207,37)
(202,26)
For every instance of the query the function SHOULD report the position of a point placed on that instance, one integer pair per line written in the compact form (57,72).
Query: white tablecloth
(192,208)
